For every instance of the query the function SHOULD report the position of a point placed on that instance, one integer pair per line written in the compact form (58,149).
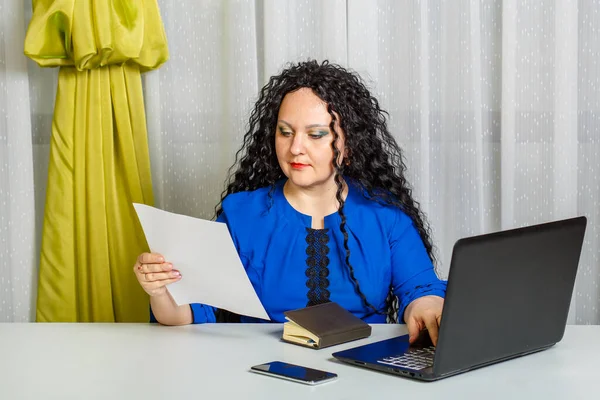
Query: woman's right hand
(154,274)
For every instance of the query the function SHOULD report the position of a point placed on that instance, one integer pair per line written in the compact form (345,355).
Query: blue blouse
(291,265)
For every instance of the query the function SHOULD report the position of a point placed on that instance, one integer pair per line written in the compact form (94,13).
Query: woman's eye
(283,132)
(318,135)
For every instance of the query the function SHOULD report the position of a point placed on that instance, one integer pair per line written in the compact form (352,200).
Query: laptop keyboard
(416,359)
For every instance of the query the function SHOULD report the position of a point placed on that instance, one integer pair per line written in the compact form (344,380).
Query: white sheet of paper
(204,253)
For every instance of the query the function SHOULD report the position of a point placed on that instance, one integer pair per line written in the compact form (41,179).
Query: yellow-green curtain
(99,161)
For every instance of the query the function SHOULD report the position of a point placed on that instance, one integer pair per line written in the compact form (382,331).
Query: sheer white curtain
(26,107)
(497,107)
(496,104)
(197,103)
(17,213)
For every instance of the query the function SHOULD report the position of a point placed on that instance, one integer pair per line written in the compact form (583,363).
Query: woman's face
(303,140)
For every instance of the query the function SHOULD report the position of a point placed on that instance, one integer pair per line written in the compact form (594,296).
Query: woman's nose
(298,145)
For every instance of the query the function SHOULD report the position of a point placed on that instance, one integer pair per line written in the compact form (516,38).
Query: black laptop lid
(508,293)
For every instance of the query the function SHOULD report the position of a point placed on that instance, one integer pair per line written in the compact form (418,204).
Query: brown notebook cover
(323,325)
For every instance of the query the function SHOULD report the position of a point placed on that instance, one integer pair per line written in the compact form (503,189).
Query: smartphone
(294,372)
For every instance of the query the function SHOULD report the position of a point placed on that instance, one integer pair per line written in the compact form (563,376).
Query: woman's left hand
(424,313)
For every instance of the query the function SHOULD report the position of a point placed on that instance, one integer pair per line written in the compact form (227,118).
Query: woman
(319,209)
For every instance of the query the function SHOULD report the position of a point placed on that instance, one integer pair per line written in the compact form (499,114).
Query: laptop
(508,295)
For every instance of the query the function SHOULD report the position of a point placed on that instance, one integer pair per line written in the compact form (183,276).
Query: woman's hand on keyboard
(154,274)
(424,313)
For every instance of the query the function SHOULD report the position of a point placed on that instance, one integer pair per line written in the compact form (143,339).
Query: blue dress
(291,265)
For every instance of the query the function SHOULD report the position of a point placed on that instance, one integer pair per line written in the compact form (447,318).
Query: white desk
(148,361)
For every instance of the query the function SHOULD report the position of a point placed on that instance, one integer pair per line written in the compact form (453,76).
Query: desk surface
(148,361)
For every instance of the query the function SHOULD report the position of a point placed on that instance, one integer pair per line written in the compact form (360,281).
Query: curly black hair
(376,164)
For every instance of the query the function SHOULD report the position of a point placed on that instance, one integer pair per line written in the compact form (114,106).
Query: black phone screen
(294,372)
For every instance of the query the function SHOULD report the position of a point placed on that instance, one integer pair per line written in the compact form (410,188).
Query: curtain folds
(17,195)
(495,104)
(99,162)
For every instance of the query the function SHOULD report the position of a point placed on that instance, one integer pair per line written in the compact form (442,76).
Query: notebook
(323,325)
(508,295)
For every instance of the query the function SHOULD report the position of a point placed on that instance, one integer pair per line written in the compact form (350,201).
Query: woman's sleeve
(413,275)
(201,313)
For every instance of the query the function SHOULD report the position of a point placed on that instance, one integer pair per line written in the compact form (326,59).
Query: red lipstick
(298,165)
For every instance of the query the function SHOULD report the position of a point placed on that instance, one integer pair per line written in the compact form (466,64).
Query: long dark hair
(375,161)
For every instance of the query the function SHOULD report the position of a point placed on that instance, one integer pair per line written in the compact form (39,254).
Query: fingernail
(175,273)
